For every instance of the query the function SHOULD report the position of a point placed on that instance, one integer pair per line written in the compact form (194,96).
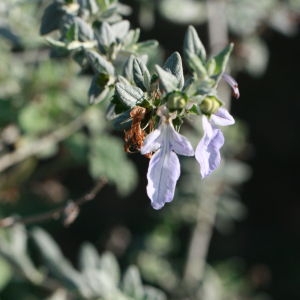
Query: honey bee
(135,136)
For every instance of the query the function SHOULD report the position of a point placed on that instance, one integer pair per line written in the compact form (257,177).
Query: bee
(135,136)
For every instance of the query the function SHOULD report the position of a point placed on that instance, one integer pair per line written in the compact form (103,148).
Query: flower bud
(210,105)
(176,100)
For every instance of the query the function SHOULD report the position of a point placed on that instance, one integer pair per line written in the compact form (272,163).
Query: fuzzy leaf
(121,29)
(99,63)
(221,60)
(192,45)
(131,37)
(141,74)
(167,80)
(106,36)
(128,69)
(130,95)
(174,65)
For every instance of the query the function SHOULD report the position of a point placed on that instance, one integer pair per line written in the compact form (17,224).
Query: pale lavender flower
(234,85)
(207,151)
(164,166)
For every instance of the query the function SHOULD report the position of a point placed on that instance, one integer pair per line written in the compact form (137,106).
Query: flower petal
(222,117)
(208,152)
(180,144)
(234,85)
(163,173)
(152,142)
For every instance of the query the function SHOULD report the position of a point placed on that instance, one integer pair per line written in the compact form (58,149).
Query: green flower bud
(210,105)
(176,100)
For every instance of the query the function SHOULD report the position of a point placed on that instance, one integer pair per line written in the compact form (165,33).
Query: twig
(37,146)
(65,211)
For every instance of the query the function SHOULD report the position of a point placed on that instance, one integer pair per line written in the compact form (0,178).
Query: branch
(68,212)
(37,146)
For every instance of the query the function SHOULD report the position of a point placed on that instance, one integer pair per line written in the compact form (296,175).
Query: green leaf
(85,31)
(168,81)
(130,95)
(141,74)
(173,65)
(132,283)
(192,45)
(98,92)
(99,63)
(107,159)
(221,61)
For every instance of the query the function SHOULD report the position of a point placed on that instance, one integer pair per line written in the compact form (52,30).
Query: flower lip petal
(222,117)
(152,142)
(234,85)
(180,144)
(208,152)
(163,173)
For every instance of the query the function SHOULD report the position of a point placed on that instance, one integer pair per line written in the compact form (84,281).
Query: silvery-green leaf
(173,65)
(132,283)
(85,31)
(121,29)
(146,46)
(221,60)
(141,74)
(192,44)
(51,18)
(131,37)
(152,293)
(88,257)
(130,95)
(110,266)
(92,6)
(168,81)
(128,69)
(56,43)
(99,63)
(106,35)
(123,80)
(98,90)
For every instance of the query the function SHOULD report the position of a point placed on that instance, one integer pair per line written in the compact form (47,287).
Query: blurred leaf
(57,264)
(88,257)
(59,294)
(132,283)
(121,29)
(110,266)
(5,273)
(152,293)
(51,18)
(107,159)
(106,35)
